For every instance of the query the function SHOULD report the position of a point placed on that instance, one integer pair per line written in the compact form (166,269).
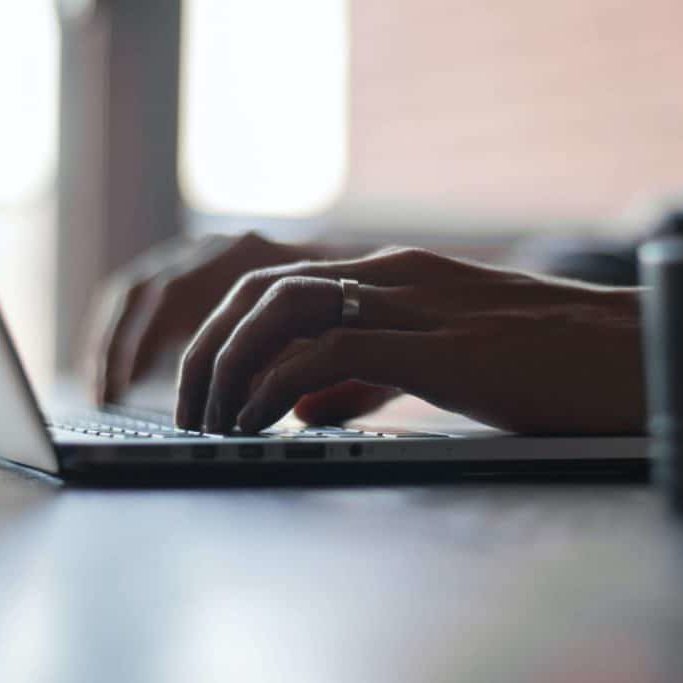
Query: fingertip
(105,393)
(180,416)
(109,396)
(341,402)
(96,397)
(185,418)
(309,411)
(248,421)
(99,397)
(110,386)
(191,405)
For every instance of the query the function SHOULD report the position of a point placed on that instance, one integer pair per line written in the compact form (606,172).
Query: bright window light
(29,81)
(264,105)
(29,62)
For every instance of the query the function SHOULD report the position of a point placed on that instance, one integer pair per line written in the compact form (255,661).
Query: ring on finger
(350,310)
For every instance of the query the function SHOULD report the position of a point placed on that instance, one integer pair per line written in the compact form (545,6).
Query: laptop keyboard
(115,423)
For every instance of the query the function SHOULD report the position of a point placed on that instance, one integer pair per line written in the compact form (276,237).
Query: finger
(335,404)
(114,316)
(169,311)
(187,293)
(146,333)
(342,402)
(123,301)
(375,357)
(394,267)
(295,307)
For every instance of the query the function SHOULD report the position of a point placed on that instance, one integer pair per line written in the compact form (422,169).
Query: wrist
(622,303)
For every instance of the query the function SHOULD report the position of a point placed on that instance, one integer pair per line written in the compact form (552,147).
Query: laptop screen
(23,436)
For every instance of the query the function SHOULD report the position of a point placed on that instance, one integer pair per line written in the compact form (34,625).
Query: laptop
(120,444)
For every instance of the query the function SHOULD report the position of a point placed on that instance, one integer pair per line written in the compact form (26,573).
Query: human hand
(518,352)
(163,297)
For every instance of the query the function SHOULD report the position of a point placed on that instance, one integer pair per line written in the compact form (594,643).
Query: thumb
(342,402)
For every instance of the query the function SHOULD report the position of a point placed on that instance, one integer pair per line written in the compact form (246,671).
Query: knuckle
(134,287)
(250,245)
(177,284)
(133,281)
(251,238)
(418,255)
(294,296)
(251,284)
(254,284)
(190,361)
(287,285)
(387,251)
(126,290)
(221,363)
(285,290)
(162,289)
(244,282)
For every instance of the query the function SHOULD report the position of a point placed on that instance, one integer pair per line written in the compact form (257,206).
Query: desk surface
(468,583)
(421,584)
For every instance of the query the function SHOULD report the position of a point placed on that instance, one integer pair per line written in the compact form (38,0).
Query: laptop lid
(24,438)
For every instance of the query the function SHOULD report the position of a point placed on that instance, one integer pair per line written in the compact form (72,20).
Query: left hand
(516,351)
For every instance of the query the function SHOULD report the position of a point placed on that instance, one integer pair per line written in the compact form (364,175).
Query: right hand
(162,299)
(517,351)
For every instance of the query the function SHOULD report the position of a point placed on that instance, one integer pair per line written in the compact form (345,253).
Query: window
(29,62)
(264,105)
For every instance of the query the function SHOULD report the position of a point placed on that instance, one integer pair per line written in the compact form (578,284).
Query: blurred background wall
(539,109)
(401,120)
(29,78)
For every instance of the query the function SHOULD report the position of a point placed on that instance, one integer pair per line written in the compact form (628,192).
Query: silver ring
(350,311)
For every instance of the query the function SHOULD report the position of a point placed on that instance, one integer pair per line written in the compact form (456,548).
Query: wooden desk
(481,583)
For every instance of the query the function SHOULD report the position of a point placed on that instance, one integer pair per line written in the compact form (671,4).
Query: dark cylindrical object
(661,273)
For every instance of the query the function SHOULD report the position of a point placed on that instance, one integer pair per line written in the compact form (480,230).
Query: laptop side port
(250,451)
(305,451)
(204,452)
